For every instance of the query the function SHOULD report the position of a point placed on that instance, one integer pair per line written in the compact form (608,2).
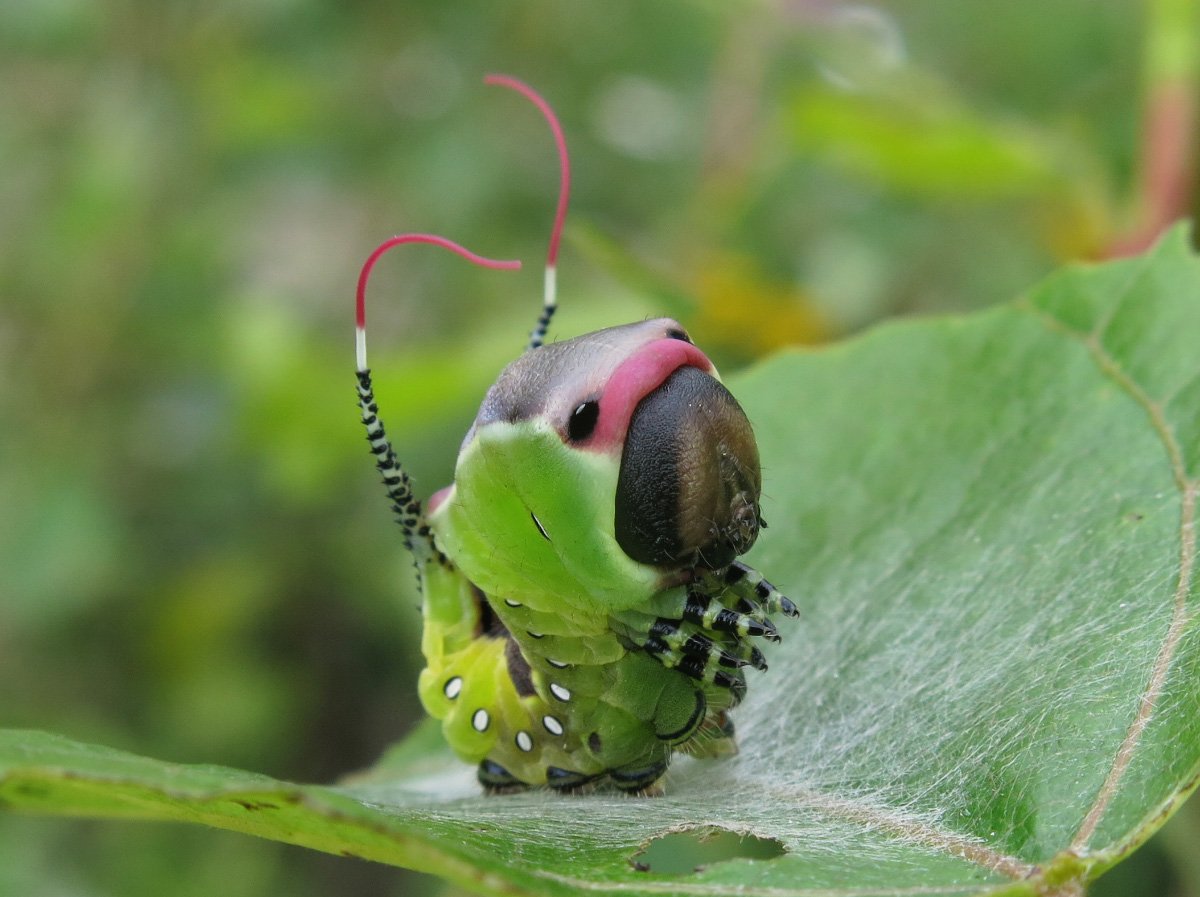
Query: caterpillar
(585,611)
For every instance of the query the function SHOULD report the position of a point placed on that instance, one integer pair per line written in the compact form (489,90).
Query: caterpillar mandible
(585,611)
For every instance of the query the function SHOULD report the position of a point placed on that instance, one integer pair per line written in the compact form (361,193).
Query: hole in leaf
(677,853)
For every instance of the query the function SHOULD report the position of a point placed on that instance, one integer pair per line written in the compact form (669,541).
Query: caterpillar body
(585,611)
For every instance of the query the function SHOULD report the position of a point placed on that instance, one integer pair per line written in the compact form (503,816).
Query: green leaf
(924,141)
(989,525)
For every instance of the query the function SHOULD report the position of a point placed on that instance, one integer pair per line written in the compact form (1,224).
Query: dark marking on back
(490,625)
(518,668)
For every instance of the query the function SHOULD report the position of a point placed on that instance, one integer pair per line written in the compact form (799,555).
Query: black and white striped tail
(549,305)
(538,336)
(405,505)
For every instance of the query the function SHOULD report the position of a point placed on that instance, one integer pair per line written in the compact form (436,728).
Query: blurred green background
(196,561)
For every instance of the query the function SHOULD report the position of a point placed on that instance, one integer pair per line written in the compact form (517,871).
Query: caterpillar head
(644,400)
(620,449)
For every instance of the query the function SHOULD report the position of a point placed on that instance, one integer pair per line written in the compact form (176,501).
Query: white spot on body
(553,726)
(480,720)
(563,694)
(453,687)
(524,741)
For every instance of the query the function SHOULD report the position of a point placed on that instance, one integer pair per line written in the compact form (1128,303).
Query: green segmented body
(543,698)
(553,657)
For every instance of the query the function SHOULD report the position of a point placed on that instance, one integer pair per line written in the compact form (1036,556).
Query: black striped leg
(753,594)
(678,638)
(682,646)
(714,654)
(710,613)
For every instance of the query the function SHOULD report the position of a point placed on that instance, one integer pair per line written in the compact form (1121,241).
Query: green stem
(1171,44)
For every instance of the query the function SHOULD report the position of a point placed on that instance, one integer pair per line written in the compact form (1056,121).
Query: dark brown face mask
(688,489)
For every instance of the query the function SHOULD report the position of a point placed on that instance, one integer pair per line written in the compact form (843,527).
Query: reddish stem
(1167,172)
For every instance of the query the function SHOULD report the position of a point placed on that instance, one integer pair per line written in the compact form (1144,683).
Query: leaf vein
(916,831)
(1181,614)
(719,889)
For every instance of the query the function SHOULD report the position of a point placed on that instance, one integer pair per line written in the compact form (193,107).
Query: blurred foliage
(195,561)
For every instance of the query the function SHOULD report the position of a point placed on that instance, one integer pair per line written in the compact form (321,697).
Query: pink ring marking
(436,500)
(636,377)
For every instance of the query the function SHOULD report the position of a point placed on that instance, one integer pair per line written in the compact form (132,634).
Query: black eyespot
(583,421)
(689,484)
(675,333)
